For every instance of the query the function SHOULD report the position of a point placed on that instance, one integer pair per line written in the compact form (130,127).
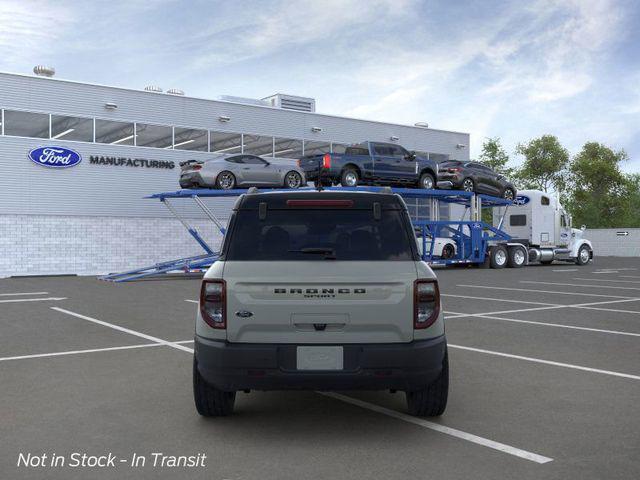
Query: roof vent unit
(244,100)
(43,71)
(153,88)
(291,102)
(175,91)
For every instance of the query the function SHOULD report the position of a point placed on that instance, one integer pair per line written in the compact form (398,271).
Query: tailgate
(310,302)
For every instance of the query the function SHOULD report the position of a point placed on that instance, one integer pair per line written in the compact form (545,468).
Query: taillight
(299,162)
(213,303)
(426,303)
(326,161)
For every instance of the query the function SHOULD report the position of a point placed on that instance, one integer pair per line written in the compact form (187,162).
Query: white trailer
(541,227)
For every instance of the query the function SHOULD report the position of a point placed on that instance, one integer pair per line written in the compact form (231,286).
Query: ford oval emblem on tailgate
(244,314)
(55,157)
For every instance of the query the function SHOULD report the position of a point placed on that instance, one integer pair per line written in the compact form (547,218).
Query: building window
(71,128)
(287,148)
(157,136)
(26,124)
(115,133)
(225,142)
(190,139)
(338,148)
(316,148)
(257,145)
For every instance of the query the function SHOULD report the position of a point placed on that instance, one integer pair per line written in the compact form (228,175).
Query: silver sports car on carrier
(241,170)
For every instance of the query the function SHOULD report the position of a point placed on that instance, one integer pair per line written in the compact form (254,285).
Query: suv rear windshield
(326,234)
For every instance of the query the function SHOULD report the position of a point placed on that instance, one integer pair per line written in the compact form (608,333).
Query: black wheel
(508,194)
(448,251)
(427,182)
(584,255)
(210,402)
(517,257)
(225,180)
(499,257)
(349,178)
(431,401)
(468,185)
(292,180)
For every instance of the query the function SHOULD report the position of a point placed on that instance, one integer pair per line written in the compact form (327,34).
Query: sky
(509,69)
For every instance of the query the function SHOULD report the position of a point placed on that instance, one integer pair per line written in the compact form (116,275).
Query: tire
(431,401)
(448,251)
(499,257)
(349,177)
(468,185)
(427,181)
(584,255)
(508,194)
(517,257)
(292,180)
(210,402)
(225,180)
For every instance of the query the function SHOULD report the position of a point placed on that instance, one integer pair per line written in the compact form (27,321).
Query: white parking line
(547,362)
(629,276)
(90,350)
(191,301)
(48,299)
(497,299)
(125,330)
(546,291)
(581,285)
(545,324)
(27,293)
(605,280)
(469,437)
(566,270)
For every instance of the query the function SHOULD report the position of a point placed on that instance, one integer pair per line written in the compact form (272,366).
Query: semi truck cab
(538,221)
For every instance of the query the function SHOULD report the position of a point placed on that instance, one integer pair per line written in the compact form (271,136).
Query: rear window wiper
(329,253)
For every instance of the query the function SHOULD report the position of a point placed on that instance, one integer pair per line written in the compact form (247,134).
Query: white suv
(320,291)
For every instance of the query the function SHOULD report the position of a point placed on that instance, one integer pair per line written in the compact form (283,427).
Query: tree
(599,194)
(545,164)
(494,156)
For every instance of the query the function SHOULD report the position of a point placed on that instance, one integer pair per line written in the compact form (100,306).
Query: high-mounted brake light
(213,303)
(426,303)
(326,160)
(320,203)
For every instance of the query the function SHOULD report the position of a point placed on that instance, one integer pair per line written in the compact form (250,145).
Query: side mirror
(410,156)
(583,228)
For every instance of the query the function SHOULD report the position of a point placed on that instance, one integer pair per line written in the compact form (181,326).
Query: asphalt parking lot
(545,383)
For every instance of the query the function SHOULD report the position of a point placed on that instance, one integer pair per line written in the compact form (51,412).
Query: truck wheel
(499,257)
(517,257)
(427,182)
(349,178)
(584,255)
(431,401)
(210,402)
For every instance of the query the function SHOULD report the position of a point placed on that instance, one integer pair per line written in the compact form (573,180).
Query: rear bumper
(189,180)
(403,366)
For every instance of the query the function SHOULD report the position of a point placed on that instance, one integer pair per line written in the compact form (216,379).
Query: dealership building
(92,218)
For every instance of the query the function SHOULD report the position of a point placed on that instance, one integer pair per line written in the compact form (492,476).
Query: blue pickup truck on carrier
(371,163)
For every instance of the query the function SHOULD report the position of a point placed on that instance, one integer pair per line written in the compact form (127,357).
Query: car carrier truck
(540,231)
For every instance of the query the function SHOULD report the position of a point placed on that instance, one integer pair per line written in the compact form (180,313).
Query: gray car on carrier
(241,170)
(320,291)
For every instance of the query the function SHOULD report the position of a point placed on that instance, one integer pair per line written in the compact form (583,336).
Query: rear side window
(518,220)
(357,151)
(323,235)
(544,200)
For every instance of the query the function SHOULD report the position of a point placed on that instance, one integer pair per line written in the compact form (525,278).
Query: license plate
(320,358)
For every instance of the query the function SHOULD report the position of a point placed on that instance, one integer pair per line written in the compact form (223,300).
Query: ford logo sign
(521,200)
(55,157)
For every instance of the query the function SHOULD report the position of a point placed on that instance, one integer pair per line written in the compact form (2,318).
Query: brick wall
(49,245)
(611,242)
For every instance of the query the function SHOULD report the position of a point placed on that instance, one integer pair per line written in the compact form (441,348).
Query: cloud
(30,30)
